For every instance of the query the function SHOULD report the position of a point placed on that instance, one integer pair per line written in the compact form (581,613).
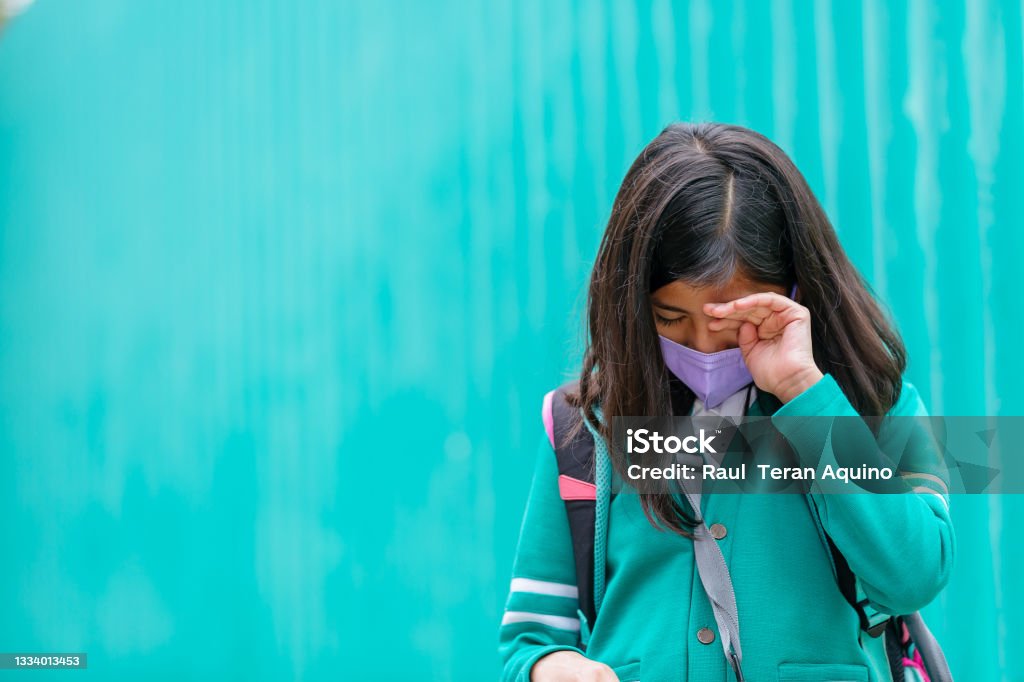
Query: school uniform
(655,621)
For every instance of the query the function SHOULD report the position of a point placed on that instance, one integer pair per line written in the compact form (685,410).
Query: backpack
(913,653)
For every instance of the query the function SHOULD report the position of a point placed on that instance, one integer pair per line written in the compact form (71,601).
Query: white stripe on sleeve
(926,489)
(560,622)
(544,587)
(929,477)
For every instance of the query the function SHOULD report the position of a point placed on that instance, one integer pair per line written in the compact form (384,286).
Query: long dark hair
(702,203)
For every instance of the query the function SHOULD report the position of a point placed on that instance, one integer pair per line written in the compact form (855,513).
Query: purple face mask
(712,377)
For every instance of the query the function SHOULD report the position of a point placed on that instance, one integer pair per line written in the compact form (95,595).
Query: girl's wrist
(798,382)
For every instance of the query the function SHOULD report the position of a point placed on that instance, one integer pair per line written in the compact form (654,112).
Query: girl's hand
(775,337)
(570,666)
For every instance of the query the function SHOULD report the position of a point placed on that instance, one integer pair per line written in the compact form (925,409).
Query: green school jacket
(795,624)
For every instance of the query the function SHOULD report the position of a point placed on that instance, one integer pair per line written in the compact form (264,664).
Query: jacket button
(717,531)
(706,635)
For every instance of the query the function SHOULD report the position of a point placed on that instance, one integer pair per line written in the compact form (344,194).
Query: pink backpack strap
(547,414)
(570,488)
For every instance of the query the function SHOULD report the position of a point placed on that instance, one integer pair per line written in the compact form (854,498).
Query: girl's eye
(668,321)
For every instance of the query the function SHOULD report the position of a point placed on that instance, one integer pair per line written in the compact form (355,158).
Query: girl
(720,287)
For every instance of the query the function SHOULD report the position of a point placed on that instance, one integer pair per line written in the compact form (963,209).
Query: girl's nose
(707,341)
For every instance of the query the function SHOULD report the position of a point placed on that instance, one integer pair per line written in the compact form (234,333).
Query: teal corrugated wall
(282,285)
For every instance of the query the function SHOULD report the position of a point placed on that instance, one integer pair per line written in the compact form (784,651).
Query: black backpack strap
(895,650)
(848,587)
(576,460)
